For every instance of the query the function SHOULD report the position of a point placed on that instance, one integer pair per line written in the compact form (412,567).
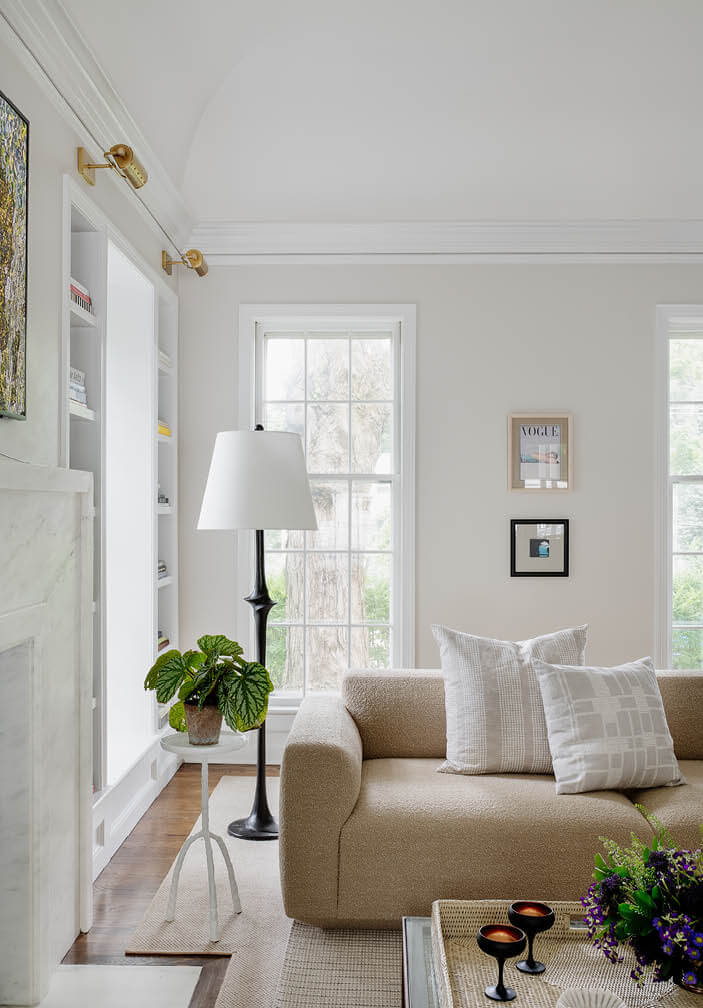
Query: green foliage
(177,716)
(642,896)
(243,700)
(219,674)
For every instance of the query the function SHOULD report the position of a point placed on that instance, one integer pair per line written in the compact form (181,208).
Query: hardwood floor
(124,889)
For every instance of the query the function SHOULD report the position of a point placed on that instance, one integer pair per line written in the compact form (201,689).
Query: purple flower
(690,978)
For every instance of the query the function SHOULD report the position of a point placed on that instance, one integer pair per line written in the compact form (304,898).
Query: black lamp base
(254,828)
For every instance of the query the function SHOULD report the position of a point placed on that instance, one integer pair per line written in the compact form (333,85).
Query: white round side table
(178,743)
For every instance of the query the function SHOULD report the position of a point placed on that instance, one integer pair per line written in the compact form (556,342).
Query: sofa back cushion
(400,713)
(682,693)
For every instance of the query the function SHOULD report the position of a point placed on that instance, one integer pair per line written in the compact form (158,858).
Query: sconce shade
(257,480)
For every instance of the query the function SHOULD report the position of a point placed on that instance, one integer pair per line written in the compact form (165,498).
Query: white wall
(491,339)
(52,152)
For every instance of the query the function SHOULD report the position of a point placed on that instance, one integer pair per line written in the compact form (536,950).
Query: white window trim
(671,320)
(404,315)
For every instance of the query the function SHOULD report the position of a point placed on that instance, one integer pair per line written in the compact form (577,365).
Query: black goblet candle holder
(533,918)
(502,941)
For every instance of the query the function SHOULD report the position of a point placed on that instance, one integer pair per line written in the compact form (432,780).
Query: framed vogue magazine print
(539,547)
(14,180)
(539,451)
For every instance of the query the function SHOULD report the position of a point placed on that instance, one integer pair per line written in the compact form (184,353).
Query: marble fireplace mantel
(46,590)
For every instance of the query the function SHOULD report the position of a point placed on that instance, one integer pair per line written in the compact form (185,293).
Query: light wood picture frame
(540,453)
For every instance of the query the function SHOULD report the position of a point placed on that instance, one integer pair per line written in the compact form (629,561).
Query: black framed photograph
(539,547)
(14,183)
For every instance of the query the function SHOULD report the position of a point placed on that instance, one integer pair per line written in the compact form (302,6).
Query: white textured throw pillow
(495,718)
(607,727)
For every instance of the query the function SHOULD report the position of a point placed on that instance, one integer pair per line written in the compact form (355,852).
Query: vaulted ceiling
(402,110)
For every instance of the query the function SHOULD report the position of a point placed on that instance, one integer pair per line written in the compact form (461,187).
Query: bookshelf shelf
(164,582)
(80,317)
(165,509)
(80,412)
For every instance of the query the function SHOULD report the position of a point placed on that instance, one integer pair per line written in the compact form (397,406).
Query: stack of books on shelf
(162,641)
(164,359)
(162,570)
(76,388)
(164,428)
(80,295)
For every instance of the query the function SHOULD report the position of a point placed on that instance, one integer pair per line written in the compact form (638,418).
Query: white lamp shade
(257,480)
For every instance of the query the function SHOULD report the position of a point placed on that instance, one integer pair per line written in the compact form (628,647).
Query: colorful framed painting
(539,451)
(539,547)
(14,201)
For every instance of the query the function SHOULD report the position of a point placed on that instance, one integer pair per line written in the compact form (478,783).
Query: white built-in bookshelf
(167,480)
(128,387)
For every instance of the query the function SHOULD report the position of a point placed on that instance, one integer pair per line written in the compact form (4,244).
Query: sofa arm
(320,783)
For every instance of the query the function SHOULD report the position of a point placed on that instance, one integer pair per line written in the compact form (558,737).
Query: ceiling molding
(62,62)
(446,241)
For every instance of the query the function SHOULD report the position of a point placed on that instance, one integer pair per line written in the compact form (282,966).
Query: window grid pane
(686,501)
(344,473)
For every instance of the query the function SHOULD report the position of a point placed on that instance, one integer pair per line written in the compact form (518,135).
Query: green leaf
(152,674)
(601,863)
(170,677)
(666,969)
(193,659)
(645,902)
(243,699)
(599,875)
(186,689)
(217,645)
(177,717)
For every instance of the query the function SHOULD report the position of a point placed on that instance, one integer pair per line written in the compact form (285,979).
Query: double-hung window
(343,599)
(682,575)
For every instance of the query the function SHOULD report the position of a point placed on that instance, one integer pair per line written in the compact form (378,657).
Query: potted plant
(212,683)
(650,897)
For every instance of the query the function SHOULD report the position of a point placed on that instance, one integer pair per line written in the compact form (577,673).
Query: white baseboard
(119,808)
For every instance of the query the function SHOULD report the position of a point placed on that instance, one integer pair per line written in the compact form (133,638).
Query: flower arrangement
(649,897)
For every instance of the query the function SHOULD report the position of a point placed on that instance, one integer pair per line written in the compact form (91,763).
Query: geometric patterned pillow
(495,717)
(607,727)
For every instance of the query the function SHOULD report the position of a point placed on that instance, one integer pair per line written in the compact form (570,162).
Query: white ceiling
(401,110)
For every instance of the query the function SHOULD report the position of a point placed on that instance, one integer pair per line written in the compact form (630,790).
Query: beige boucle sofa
(370,832)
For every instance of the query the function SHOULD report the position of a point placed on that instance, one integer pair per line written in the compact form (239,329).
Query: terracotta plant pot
(203,725)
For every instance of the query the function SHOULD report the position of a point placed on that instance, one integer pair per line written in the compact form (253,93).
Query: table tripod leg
(236,902)
(212,891)
(171,909)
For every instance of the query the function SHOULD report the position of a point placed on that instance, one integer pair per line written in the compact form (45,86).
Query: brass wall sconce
(192,259)
(121,159)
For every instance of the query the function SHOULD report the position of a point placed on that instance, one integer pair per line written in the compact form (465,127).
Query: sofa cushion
(398,712)
(680,809)
(495,717)
(415,836)
(607,727)
(682,693)
(401,712)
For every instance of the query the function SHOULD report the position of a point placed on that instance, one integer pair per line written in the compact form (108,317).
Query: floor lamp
(258,481)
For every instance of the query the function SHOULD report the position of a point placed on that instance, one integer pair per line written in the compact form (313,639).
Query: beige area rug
(257,937)
(272,965)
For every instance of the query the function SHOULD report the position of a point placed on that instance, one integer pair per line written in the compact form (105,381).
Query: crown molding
(228,242)
(56,55)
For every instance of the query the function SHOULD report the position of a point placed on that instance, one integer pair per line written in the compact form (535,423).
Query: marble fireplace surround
(46,589)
